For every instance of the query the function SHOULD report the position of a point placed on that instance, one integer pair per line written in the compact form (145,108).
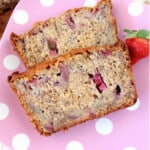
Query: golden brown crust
(14,37)
(30,71)
(64,57)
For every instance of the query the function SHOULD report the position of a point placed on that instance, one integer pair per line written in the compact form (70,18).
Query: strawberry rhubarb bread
(76,28)
(81,85)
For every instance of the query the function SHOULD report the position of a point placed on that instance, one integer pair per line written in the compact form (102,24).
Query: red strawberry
(138,48)
(138,44)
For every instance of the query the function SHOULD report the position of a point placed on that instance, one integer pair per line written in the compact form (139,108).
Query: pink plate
(126,129)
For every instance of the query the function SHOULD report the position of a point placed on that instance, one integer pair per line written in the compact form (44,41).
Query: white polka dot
(11,62)
(21,17)
(90,3)
(135,106)
(104,126)
(135,8)
(4,111)
(20,142)
(74,145)
(47,3)
(140,1)
(129,148)
(4,147)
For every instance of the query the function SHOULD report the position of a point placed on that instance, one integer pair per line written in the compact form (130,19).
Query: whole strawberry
(138,43)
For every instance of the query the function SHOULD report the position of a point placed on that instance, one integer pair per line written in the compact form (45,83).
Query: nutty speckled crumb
(78,86)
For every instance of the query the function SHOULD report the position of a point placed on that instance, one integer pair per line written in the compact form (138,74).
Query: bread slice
(77,28)
(78,86)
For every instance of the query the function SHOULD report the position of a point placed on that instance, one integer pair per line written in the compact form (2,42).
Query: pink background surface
(130,128)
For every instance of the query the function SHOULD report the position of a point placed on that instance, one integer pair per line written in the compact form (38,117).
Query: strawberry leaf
(148,36)
(143,34)
(130,33)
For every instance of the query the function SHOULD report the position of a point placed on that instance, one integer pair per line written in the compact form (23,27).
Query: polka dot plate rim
(103,133)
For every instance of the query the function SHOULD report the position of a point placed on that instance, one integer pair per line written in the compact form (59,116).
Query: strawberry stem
(144,34)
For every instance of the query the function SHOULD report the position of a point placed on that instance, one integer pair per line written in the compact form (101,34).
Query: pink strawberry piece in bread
(64,69)
(97,78)
(29,83)
(70,22)
(64,73)
(106,53)
(53,50)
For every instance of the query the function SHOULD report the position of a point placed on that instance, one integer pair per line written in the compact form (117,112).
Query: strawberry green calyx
(144,34)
